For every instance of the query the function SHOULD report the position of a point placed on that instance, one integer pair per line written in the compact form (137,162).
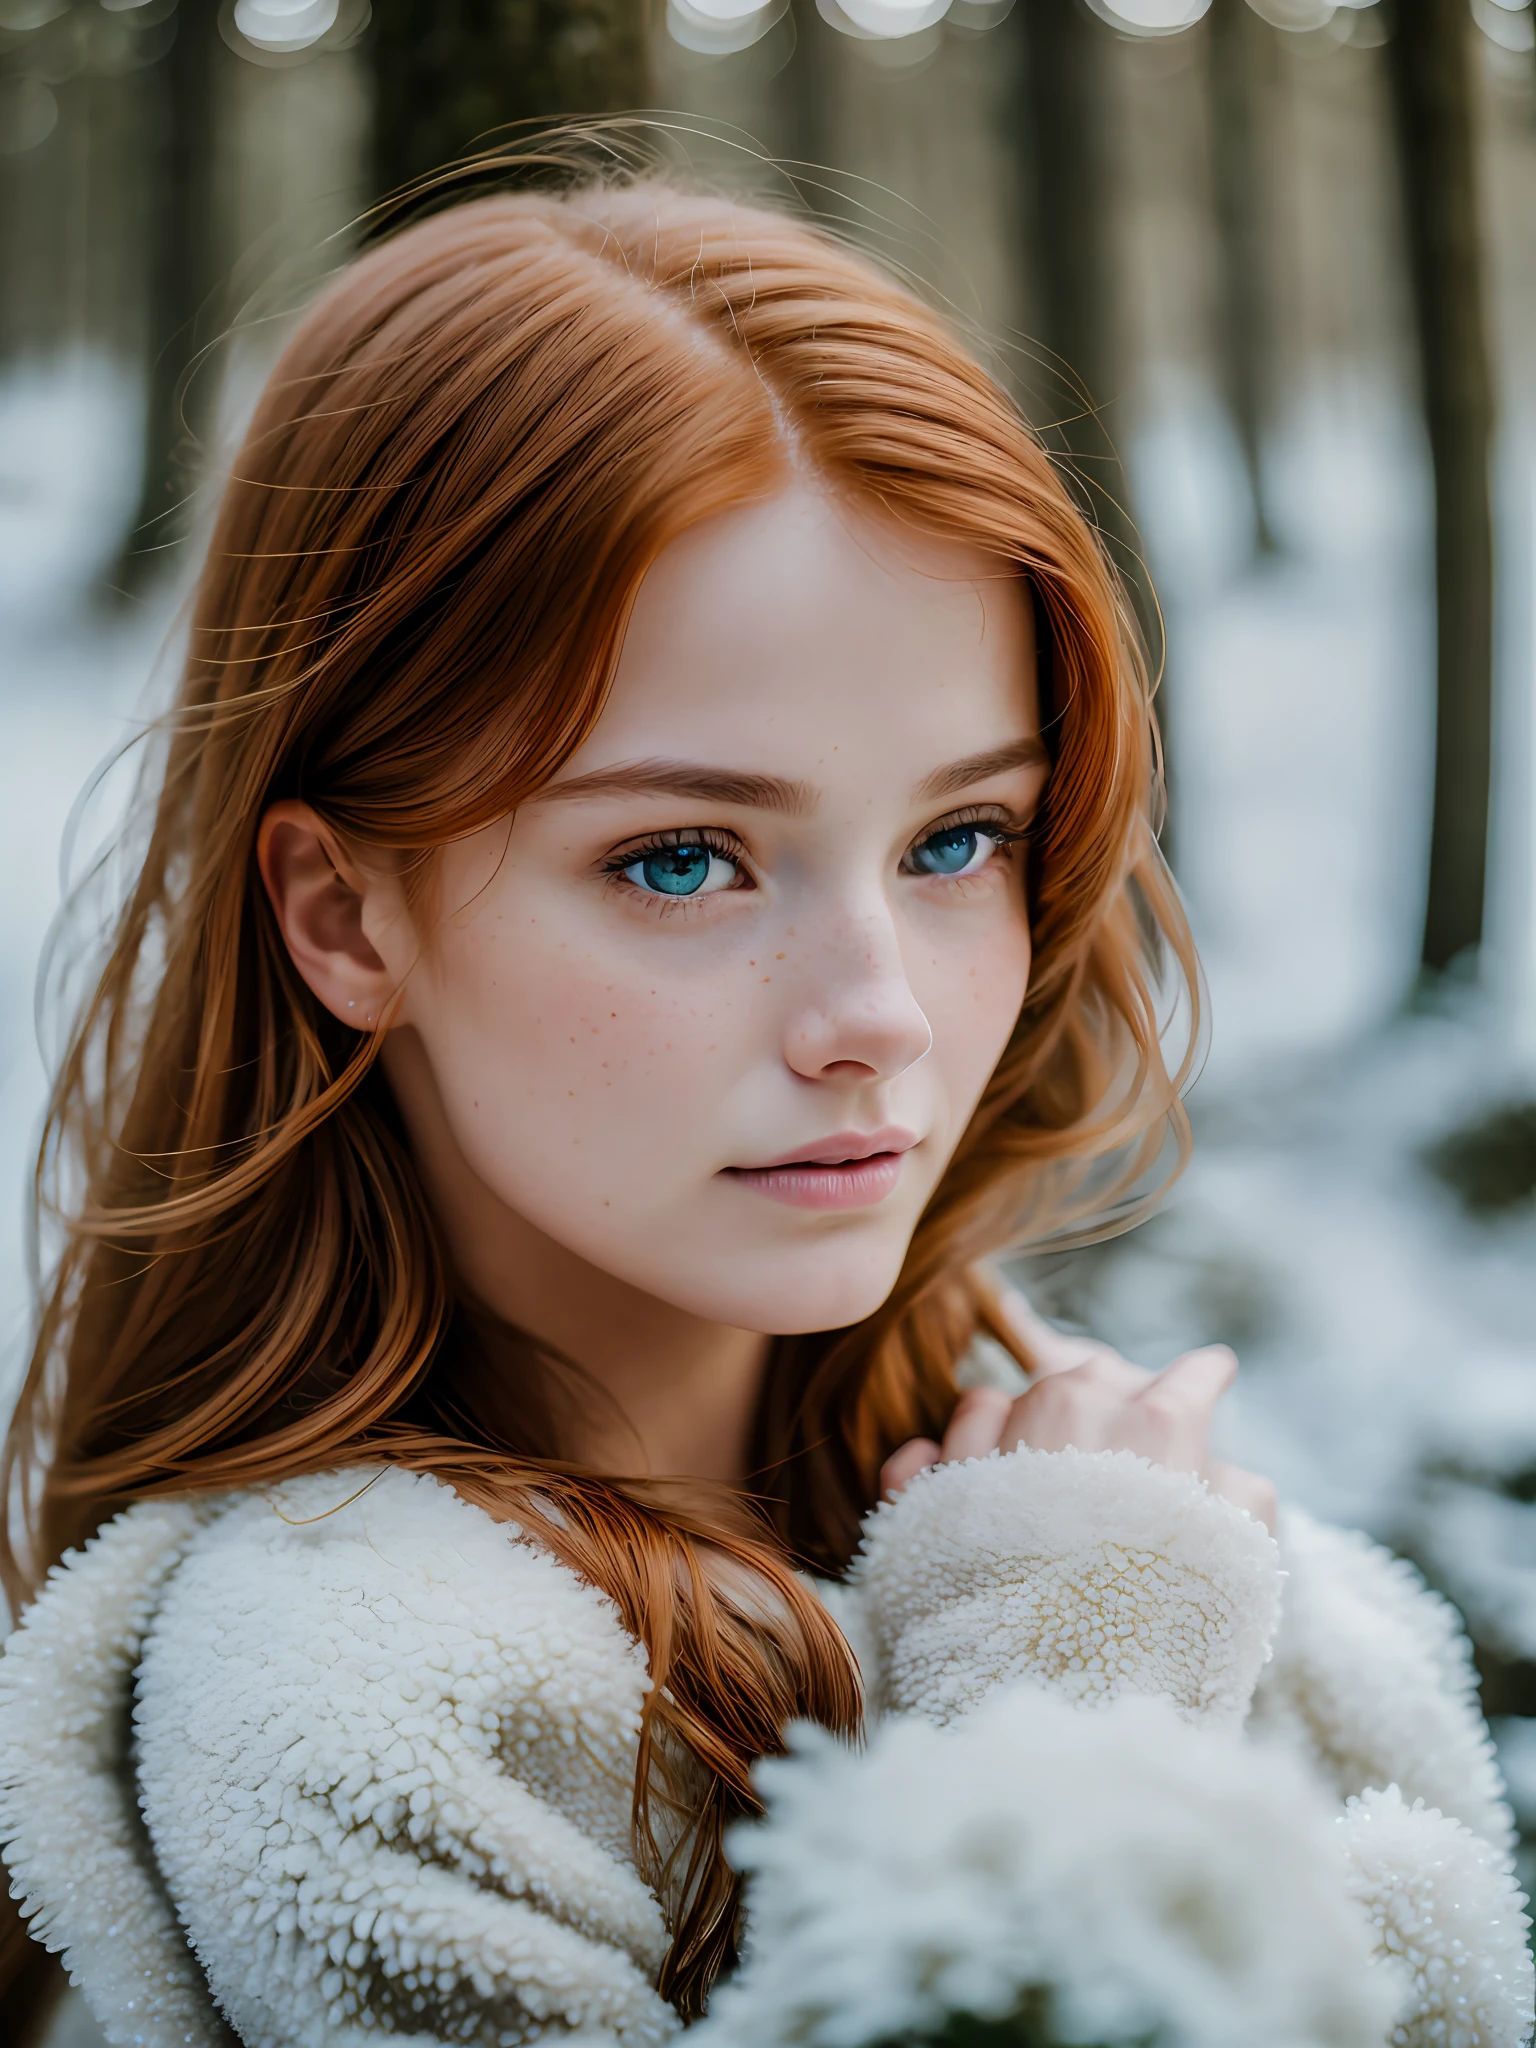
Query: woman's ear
(320,898)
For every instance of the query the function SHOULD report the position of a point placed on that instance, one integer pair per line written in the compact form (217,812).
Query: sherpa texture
(1448,1915)
(1127,1871)
(385,1749)
(1092,1572)
(418,1817)
(1372,1679)
(74,1841)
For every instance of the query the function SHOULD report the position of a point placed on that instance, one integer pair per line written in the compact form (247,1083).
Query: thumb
(901,1466)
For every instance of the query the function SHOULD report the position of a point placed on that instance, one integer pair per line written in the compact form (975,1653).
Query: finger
(1060,1413)
(1198,1378)
(1082,1410)
(1066,1354)
(1250,1491)
(1077,1408)
(913,1457)
(976,1424)
(1169,1421)
(1049,1350)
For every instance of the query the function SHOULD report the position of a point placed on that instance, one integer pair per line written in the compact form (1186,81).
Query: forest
(1262,275)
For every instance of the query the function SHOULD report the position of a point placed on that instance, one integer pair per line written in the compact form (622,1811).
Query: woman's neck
(684,1391)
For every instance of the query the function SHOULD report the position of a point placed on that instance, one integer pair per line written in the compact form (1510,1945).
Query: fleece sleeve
(1093,1574)
(74,1843)
(1372,1676)
(379,1779)
(1372,1682)
(386,1757)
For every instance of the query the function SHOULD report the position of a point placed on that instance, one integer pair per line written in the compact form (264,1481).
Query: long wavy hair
(477,441)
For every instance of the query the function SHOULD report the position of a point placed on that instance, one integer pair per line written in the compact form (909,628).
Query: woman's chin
(791,1295)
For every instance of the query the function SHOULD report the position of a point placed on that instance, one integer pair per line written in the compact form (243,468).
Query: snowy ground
(1389,1338)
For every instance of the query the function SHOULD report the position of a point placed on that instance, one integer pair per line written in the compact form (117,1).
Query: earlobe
(318,896)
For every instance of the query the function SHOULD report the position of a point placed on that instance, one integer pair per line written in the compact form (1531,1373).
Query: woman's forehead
(801,630)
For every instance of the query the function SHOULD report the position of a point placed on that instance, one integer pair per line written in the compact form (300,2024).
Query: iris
(676,870)
(949,852)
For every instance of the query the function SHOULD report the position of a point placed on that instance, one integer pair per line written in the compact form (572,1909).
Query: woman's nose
(862,1022)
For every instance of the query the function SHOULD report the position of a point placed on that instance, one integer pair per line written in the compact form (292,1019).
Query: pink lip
(850,1170)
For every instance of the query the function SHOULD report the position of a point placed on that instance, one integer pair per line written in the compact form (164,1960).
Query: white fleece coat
(285,1771)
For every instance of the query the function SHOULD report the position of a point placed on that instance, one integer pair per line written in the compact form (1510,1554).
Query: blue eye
(692,869)
(955,850)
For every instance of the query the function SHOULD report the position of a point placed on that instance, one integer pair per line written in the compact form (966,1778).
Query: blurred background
(1265,274)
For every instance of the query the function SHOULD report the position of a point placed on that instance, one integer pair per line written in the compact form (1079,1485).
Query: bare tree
(1240,48)
(803,104)
(449,72)
(184,273)
(1429,63)
(1065,111)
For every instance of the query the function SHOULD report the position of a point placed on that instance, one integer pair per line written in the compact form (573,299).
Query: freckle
(614,1013)
(778,956)
(767,977)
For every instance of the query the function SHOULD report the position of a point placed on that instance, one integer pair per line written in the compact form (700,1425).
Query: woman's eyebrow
(687,779)
(704,784)
(958,775)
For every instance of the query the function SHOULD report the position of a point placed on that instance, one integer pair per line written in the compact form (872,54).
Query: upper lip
(841,1146)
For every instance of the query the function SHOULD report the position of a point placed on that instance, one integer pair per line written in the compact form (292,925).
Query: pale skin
(772,908)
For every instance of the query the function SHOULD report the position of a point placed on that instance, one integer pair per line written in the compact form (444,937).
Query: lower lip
(856,1184)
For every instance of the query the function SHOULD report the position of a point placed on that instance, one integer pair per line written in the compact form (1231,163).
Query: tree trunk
(1240,42)
(805,103)
(1064,119)
(447,73)
(1430,65)
(184,275)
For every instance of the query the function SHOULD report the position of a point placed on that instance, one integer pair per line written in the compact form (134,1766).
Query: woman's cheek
(549,1064)
(972,999)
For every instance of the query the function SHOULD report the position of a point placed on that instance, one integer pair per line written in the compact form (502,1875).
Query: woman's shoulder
(249,1622)
(339,1578)
(389,1543)
(378,1524)
(351,1687)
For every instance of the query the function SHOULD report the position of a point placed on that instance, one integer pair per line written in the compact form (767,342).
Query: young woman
(652,881)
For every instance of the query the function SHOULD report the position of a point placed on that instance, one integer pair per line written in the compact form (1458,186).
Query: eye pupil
(676,870)
(946,853)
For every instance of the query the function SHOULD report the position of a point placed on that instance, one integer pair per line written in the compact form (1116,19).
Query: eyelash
(1000,825)
(726,846)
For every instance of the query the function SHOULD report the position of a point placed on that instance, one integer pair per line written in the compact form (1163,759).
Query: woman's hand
(1086,1397)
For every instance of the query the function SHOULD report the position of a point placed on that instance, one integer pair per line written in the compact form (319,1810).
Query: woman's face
(713,1012)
